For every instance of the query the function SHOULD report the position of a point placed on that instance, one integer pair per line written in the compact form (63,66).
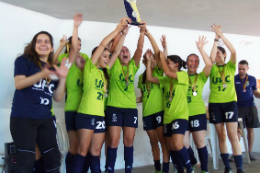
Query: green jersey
(120,94)
(196,104)
(153,95)
(93,98)
(74,85)
(218,93)
(177,108)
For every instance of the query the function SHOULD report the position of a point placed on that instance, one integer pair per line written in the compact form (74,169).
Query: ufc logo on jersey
(41,84)
(216,80)
(122,78)
(44,101)
(99,84)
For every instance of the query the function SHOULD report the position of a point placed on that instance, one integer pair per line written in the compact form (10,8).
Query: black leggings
(26,133)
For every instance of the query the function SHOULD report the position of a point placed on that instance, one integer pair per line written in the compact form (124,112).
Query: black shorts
(70,120)
(178,126)
(123,117)
(197,123)
(91,122)
(223,112)
(249,116)
(153,121)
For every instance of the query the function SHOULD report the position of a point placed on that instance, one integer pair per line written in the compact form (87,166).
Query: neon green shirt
(74,85)
(93,99)
(178,107)
(218,94)
(196,104)
(120,95)
(153,102)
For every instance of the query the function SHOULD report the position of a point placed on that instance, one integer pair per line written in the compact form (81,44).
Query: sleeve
(254,85)
(21,66)
(182,78)
(62,56)
(85,56)
(162,81)
(132,64)
(203,76)
(231,66)
(140,82)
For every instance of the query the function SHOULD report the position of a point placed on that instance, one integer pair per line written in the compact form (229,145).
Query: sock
(225,157)
(203,155)
(111,159)
(183,153)
(69,162)
(193,160)
(157,165)
(86,163)
(39,166)
(165,167)
(78,163)
(239,162)
(128,155)
(95,164)
(176,161)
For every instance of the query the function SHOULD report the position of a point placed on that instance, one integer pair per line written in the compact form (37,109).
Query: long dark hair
(104,69)
(30,51)
(69,42)
(177,59)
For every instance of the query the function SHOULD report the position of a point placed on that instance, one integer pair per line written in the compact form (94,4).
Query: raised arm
(106,40)
(118,47)
(217,30)
(138,52)
(58,51)
(164,45)
(149,76)
(155,47)
(165,67)
(208,63)
(74,42)
(214,49)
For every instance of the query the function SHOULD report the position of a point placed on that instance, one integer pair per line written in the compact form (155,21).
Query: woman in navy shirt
(31,118)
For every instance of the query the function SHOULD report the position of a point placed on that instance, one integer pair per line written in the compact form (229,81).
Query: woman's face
(220,58)
(79,45)
(172,66)
(43,45)
(104,59)
(193,63)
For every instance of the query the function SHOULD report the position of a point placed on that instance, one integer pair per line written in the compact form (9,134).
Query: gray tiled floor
(253,168)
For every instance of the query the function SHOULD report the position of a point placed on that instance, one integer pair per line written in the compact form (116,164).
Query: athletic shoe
(252,157)
(157,171)
(197,165)
(240,171)
(227,170)
(232,159)
(175,170)
(204,172)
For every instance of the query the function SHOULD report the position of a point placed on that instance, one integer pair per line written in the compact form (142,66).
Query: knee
(178,145)
(154,142)
(52,159)
(199,143)
(83,150)
(233,138)
(95,150)
(222,138)
(25,160)
(113,143)
(128,141)
(73,147)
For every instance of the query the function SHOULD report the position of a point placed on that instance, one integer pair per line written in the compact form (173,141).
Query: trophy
(132,12)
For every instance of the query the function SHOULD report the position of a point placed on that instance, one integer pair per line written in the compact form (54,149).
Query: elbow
(233,53)
(17,86)
(57,99)
(167,73)
(102,44)
(149,79)
(209,65)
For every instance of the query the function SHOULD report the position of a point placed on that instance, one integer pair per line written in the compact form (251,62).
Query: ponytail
(144,77)
(177,59)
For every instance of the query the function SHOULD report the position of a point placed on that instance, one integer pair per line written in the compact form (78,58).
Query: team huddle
(100,101)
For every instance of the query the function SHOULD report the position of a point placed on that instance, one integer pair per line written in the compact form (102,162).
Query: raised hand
(146,31)
(163,41)
(63,70)
(78,18)
(142,27)
(125,30)
(201,42)
(126,21)
(63,41)
(217,29)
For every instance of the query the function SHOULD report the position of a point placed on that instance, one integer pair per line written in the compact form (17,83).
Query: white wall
(18,26)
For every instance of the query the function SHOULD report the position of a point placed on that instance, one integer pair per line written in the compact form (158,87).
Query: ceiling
(236,16)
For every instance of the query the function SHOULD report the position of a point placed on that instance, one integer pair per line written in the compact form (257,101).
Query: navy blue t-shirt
(33,102)
(245,98)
